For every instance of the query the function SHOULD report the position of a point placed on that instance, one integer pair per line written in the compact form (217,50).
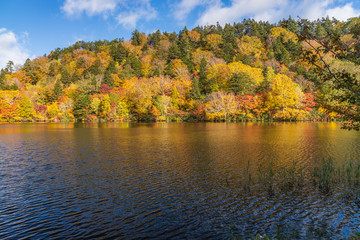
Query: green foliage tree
(202,77)
(2,79)
(118,52)
(108,79)
(136,38)
(241,84)
(281,54)
(135,64)
(195,90)
(174,51)
(82,106)
(75,77)
(58,91)
(95,68)
(65,77)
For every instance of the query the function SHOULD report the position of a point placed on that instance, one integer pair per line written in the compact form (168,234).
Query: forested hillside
(242,72)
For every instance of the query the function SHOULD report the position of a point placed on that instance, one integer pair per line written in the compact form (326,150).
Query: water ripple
(171,181)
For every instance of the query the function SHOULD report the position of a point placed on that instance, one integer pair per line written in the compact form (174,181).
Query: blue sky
(31,28)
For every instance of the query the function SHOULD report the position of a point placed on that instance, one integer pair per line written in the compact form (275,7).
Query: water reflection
(165,180)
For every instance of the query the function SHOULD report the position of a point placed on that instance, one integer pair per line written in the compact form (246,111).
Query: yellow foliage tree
(213,41)
(285,34)
(219,105)
(194,36)
(283,97)
(105,106)
(220,74)
(53,111)
(146,63)
(251,46)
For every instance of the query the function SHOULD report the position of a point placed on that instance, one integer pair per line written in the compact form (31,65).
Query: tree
(283,96)
(220,104)
(108,78)
(334,46)
(118,52)
(202,77)
(65,77)
(10,66)
(95,68)
(136,38)
(135,64)
(195,90)
(2,79)
(228,52)
(241,83)
(58,90)
(174,51)
(105,107)
(75,77)
(81,106)
(25,109)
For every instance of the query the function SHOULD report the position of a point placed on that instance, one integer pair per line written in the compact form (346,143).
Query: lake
(173,181)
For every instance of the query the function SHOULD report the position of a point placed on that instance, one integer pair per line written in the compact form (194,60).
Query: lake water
(170,181)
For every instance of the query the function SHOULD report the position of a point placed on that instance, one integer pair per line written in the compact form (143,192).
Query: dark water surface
(168,180)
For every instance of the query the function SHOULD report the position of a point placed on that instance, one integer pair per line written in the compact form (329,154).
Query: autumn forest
(247,71)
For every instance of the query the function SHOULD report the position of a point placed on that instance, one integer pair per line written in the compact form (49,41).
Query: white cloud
(343,13)
(266,10)
(182,9)
(240,9)
(126,12)
(91,7)
(11,48)
(142,10)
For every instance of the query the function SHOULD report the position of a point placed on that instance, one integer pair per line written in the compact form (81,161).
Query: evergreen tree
(168,69)
(58,91)
(202,76)
(2,79)
(27,66)
(145,47)
(118,52)
(80,63)
(228,35)
(81,106)
(135,64)
(195,90)
(65,77)
(155,38)
(10,66)
(184,47)
(75,77)
(95,68)
(228,52)
(136,38)
(320,31)
(290,24)
(174,51)
(108,79)
(51,69)
(189,64)
(241,84)
(111,67)
(127,72)
(281,54)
